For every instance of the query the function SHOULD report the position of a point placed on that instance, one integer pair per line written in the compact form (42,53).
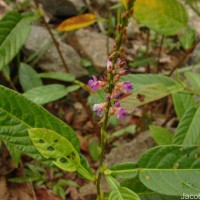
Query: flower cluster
(115,90)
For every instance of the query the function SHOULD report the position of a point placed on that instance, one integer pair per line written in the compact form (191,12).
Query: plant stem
(51,34)
(115,55)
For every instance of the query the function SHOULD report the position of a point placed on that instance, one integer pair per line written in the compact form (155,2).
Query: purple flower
(118,95)
(122,113)
(127,86)
(94,84)
(99,109)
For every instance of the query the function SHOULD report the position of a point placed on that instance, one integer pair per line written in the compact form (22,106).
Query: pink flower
(109,64)
(127,87)
(99,108)
(94,84)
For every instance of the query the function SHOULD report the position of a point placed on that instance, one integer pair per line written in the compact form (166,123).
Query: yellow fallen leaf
(77,22)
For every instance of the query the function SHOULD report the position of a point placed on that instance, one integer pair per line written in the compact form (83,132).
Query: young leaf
(171,170)
(166,17)
(182,101)
(28,77)
(14,30)
(61,76)
(93,148)
(161,135)
(188,131)
(77,22)
(18,114)
(187,40)
(48,93)
(55,147)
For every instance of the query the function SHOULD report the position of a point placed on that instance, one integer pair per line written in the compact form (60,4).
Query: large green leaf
(166,17)
(28,77)
(143,192)
(194,80)
(123,170)
(48,93)
(148,88)
(18,114)
(182,101)
(14,30)
(56,148)
(188,131)
(161,135)
(171,170)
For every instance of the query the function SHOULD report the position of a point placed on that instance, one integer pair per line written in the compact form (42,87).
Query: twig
(101,27)
(51,34)
(148,70)
(182,59)
(108,24)
(159,54)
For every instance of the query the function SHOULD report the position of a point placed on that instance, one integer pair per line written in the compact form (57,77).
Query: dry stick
(52,36)
(148,70)
(181,61)
(101,27)
(159,54)
(108,24)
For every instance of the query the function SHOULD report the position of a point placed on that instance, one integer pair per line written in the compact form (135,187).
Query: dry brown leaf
(77,22)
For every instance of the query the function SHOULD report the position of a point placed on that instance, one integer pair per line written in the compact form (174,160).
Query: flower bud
(116,78)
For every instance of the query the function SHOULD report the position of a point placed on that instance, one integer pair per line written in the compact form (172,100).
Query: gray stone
(91,45)
(41,43)
(131,151)
(63,8)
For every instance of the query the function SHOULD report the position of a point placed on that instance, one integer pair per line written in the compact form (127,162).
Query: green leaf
(141,61)
(143,192)
(120,193)
(171,170)
(93,148)
(124,170)
(48,93)
(14,152)
(84,169)
(166,17)
(14,30)
(188,131)
(194,80)
(18,114)
(28,77)
(61,76)
(161,135)
(55,147)
(123,194)
(182,101)
(148,88)
(129,129)
(187,40)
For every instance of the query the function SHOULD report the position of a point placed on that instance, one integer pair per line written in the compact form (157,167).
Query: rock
(132,29)
(63,8)
(40,42)
(91,45)
(194,19)
(130,152)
